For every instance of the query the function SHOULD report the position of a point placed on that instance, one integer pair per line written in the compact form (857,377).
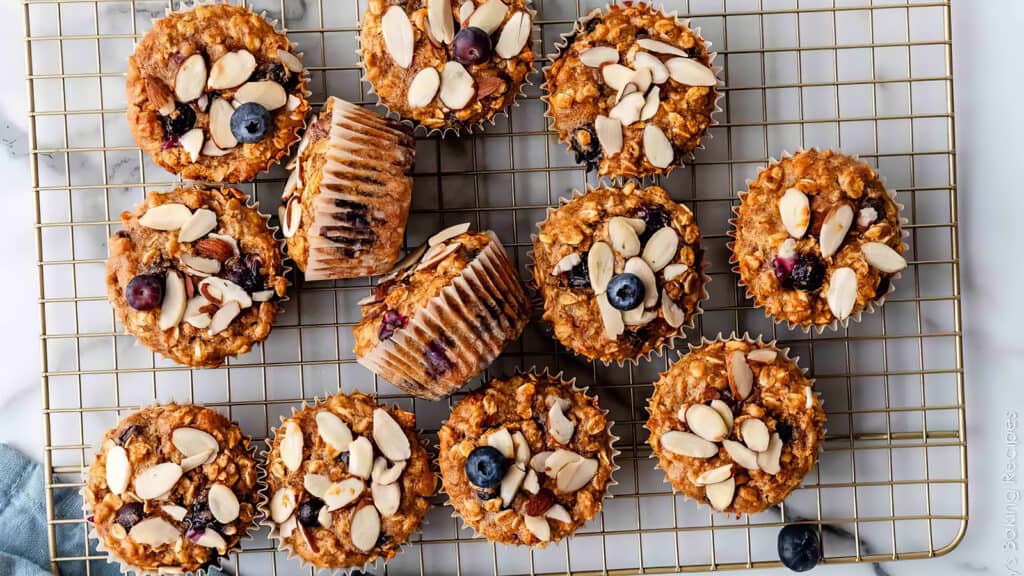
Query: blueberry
(392,321)
(145,292)
(799,547)
(250,123)
(585,144)
(242,271)
(200,516)
(486,466)
(655,218)
(625,291)
(309,512)
(874,202)
(130,514)
(127,433)
(783,268)
(579,275)
(487,494)
(283,76)
(471,46)
(808,273)
(437,361)
(785,431)
(180,121)
(883,287)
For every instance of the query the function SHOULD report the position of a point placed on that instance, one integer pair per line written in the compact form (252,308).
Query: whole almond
(160,95)
(214,248)
(540,502)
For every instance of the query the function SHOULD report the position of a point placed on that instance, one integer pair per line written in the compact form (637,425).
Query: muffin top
(195,274)
(526,460)
(735,424)
(447,64)
(348,481)
(172,487)
(817,238)
(215,93)
(632,91)
(619,271)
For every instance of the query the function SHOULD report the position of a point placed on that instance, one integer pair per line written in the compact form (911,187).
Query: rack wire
(870,77)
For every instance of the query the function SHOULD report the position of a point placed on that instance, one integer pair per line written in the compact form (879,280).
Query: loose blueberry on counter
(145,292)
(309,511)
(625,291)
(799,547)
(471,46)
(250,123)
(808,273)
(130,514)
(486,466)
(585,144)
(180,121)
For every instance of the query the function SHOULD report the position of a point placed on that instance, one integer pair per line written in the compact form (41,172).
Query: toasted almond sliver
(192,143)
(538,526)
(502,441)
(740,454)
(720,494)
(657,147)
(690,72)
(220,124)
(842,292)
(387,498)
(166,217)
(154,531)
(598,56)
(173,307)
(231,69)
(291,446)
(365,528)
(266,93)
(223,503)
(755,434)
(511,482)
(627,111)
(623,237)
(659,72)
(661,248)
(616,75)
(673,314)
(609,134)
(190,80)
(192,441)
(576,475)
(560,427)
(457,86)
(156,480)
(614,325)
(398,36)
(290,61)
(333,430)
(834,229)
(768,460)
(439,18)
(423,87)
(282,504)
(639,268)
(514,35)
(489,15)
(316,484)
(118,469)
(705,422)
(724,411)
(600,266)
(360,459)
(651,104)
(739,374)
(389,437)
(795,211)
(762,355)
(883,257)
(202,222)
(341,494)
(223,318)
(660,47)
(714,475)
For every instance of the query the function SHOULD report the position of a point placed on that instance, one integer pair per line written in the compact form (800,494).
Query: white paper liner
(259,504)
(578,27)
(836,323)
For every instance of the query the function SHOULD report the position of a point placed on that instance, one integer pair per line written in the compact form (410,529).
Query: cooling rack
(871,78)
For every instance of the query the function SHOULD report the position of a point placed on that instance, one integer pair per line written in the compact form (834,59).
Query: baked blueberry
(392,321)
(799,547)
(309,512)
(486,466)
(283,76)
(579,275)
(180,121)
(145,292)
(783,268)
(655,218)
(585,144)
(250,123)
(471,46)
(130,514)
(625,291)
(240,271)
(199,518)
(808,273)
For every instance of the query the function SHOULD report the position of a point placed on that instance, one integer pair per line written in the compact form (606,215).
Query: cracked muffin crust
(447,64)
(196,275)
(631,91)
(348,481)
(817,238)
(215,93)
(526,460)
(443,315)
(636,237)
(735,424)
(173,488)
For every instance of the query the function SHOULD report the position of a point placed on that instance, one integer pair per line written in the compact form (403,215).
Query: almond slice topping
(223,503)
(192,441)
(360,459)
(690,72)
(600,266)
(291,446)
(200,223)
(673,271)
(638,267)
(398,36)
(511,482)
(724,411)
(628,109)
(231,69)
(557,460)
(575,475)
(489,16)
(688,444)
(657,147)
(282,504)
(514,35)
(457,87)
(220,124)
(210,149)
(165,217)
(154,532)
(567,263)
(599,55)
(795,211)
(290,61)
(755,434)
(206,456)
(651,104)
(560,427)
(705,422)
(616,75)
(192,143)
(266,93)
(674,315)
(558,513)
(609,134)
(714,475)
(659,72)
(623,237)
(334,432)
(842,292)
(538,526)
(389,437)
(762,355)
(119,470)
(439,16)
(502,441)
(173,307)
(387,498)
(720,494)
(739,374)
(661,47)
(341,494)
(465,11)
(768,460)
(154,481)
(740,454)
(190,80)
(424,87)
(883,257)
(292,216)
(614,325)
(210,538)
(220,291)
(365,528)
(833,230)
(661,248)
(384,474)
(223,318)
(316,484)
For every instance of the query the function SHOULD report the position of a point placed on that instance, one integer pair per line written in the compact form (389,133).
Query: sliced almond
(220,123)
(286,528)
(808,397)
(657,147)
(382,473)
(740,454)
(690,72)
(659,72)
(739,374)
(324,517)
(206,456)
(202,222)
(673,314)
(558,513)
(263,295)
(360,459)
(210,149)
(883,257)
(292,216)
(341,494)
(192,143)
(223,503)
(762,355)
(465,11)
(389,437)
(119,470)
(231,69)
(651,104)
(176,512)
(154,532)
(623,237)
(638,316)
(795,211)
(192,441)
(705,422)
(333,431)
(489,16)
(567,263)
(833,230)
(866,217)
(266,93)
(166,217)
(661,248)
(156,480)
(614,325)
(447,234)
(365,528)
(282,504)
(457,87)
(660,47)
(424,86)
(502,441)
(173,307)
(598,56)
(316,484)
(673,271)
(293,103)
(724,411)
(190,80)
(768,460)
(755,435)
(539,460)
(290,61)
(522,448)
(514,35)
(616,75)
(641,78)
(159,95)
(510,484)
(714,475)
(638,267)
(628,109)
(560,427)
(609,134)
(221,291)
(291,446)
(439,17)
(398,37)
(720,494)
(538,526)
(842,292)
(223,318)
(575,475)
(387,498)
(531,483)
(557,460)
(637,223)
(600,266)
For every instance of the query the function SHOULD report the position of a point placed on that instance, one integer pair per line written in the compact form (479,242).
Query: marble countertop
(987,47)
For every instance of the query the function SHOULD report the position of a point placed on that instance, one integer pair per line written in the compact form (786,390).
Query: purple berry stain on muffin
(438,363)
(392,321)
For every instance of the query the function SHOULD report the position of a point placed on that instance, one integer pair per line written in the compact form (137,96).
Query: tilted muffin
(527,460)
(631,91)
(172,489)
(445,313)
(345,205)
(619,271)
(735,424)
(817,239)
(348,480)
(196,275)
(447,64)
(215,93)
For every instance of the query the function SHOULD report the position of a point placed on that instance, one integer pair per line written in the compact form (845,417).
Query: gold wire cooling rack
(873,78)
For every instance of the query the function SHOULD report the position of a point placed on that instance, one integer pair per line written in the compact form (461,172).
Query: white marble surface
(987,44)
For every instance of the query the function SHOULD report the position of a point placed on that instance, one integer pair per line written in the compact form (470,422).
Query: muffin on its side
(172,488)
(735,424)
(620,272)
(817,239)
(348,482)
(443,315)
(215,93)
(196,275)
(345,205)
(527,460)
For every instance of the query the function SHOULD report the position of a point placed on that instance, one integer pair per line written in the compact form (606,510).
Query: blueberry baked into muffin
(817,239)
(631,91)
(345,205)
(196,275)
(619,271)
(527,460)
(735,424)
(172,489)
(215,93)
(348,482)
(447,64)
(443,315)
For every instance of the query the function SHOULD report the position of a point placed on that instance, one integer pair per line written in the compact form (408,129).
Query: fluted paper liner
(488,288)
(836,323)
(259,505)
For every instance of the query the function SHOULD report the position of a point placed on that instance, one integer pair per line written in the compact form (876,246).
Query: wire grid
(872,78)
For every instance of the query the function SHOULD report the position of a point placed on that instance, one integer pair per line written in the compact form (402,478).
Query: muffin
(735,424)
(817,239)
(443,315)
(447,64)
(196,275)
(173,488)
(348,482)
(215,93)
(619,271)
(631,91)
(527,460)
(345,205)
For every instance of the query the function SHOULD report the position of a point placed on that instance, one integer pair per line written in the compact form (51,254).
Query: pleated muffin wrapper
(447,129)
(488,287)
(760,343)
(579,27)
(275,532)
(612,441)
(670,343)
(259,506)
(836,323)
